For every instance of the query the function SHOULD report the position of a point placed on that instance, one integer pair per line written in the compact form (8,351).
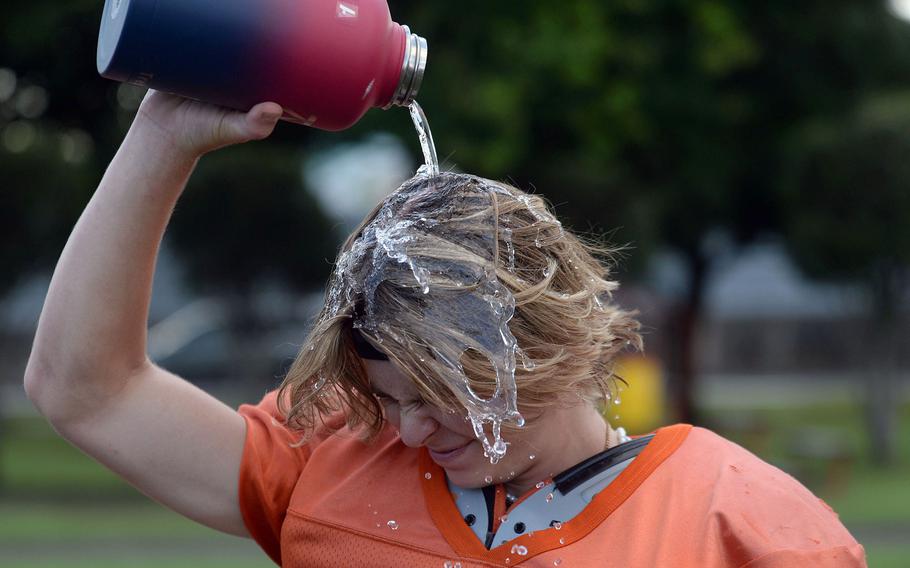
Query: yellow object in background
(642,406)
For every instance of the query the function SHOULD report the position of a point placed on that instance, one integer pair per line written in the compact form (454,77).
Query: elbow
(67,392)
(46,388)
(36,383)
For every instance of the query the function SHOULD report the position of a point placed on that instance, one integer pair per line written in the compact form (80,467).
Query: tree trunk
(883,350)
(688,319)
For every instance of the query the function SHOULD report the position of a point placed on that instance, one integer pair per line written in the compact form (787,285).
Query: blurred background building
(754,156)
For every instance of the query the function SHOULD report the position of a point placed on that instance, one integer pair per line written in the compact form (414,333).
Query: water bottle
(325,61)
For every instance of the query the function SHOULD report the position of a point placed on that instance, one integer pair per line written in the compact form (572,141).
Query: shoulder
(266,424)
(753,507)
(735,478)
(281,465)
(710,457)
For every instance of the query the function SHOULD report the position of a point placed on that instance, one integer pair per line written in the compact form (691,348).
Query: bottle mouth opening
(412,69)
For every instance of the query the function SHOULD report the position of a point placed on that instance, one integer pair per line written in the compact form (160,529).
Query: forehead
(387,378)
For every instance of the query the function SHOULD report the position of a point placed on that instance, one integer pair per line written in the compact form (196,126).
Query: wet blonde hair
(564,321)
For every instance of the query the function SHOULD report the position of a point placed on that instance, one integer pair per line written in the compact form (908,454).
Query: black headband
(364,348)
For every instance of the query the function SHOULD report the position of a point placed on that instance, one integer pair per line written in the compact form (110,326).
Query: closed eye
(384,399)
(388,400)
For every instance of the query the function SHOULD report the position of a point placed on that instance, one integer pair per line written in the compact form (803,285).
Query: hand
(196,128)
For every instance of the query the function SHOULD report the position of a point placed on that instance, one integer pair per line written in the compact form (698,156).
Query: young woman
(444,411)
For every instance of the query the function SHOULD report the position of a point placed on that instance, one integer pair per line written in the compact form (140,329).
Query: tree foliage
(256,224)
(664,119)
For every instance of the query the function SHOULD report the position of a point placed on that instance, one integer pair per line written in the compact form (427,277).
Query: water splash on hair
(431,254)
(507,237)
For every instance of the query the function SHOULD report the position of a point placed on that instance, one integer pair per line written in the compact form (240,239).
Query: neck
(564,438)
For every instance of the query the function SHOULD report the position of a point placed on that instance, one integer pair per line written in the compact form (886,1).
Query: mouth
(449,456)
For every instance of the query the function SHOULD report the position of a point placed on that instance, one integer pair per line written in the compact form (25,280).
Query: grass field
(60,508)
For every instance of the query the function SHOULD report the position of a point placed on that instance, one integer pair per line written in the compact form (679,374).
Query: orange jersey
(691,498)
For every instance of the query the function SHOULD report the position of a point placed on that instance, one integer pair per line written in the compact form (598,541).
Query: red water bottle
(325,61)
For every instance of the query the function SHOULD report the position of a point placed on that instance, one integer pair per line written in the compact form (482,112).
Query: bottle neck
(413,64)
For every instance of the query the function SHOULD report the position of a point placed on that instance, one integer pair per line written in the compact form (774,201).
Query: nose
(415,426)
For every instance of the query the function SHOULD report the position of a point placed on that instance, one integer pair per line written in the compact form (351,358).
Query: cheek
(391,413)
(519,452)
(455,423)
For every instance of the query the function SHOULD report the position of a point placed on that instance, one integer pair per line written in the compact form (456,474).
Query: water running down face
(557,438)
(424,273)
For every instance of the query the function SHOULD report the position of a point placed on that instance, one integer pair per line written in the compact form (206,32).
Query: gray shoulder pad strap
(544,508)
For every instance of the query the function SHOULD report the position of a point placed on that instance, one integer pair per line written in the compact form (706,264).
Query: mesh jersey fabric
(691,498)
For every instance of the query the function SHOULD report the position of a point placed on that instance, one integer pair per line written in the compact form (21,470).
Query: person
(445,409)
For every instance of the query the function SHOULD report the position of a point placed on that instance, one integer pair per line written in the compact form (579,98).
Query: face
(537,451)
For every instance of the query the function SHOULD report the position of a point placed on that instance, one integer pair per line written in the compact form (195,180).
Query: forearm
(92,330)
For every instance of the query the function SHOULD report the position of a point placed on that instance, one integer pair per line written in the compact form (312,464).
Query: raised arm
(89,372)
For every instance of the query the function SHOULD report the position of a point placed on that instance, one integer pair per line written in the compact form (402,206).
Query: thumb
(257,123)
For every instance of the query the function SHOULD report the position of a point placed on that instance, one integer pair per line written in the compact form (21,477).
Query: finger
(239,127)
(260,121)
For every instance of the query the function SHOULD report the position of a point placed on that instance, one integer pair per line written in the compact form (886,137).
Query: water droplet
(526,362)
(504,519)
(519,549)
(616,400)
(428,475)
(562,541)
(393,525)
(557,562)
(557,525)
(539,484)
(549,497)
(488,479)
(531,457)
(623,436)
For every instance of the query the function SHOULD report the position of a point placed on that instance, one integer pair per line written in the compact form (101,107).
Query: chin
(466,480)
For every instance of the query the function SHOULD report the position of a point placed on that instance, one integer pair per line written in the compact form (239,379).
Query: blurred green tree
(848,205)
(244,219)
(46,105)
(60,124)
(662,118)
